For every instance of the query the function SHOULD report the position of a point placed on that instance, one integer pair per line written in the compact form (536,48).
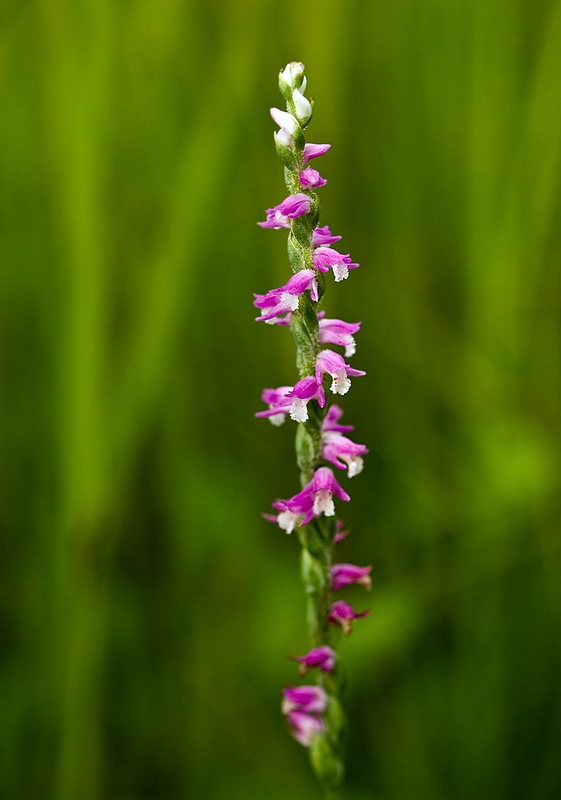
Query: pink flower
(278,402)
(322,657)
(305,726)
(323,236)
(285,298)
(295,205)
(325,258)
(311,179)
(315,499)
(305,390)
(343,614)
(345,574)
(340,532)
(309,699)
(343,452)
(334,365)
(313,151)
(331,421)
(335,331)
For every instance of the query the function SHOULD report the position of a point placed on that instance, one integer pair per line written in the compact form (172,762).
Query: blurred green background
(146,609)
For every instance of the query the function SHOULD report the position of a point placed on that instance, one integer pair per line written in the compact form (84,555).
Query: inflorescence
(321,439)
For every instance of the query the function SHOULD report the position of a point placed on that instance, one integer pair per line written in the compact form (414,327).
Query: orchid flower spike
(313,713)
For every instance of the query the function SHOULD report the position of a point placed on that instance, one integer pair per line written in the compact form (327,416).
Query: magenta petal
(330,423)
(305,727)
(323,236)
(322,657)
(311,179)
(309,699)
(313,151)
(346,574)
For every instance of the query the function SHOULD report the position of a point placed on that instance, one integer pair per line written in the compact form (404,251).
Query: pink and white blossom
(278,402)
(323,657)
(288,123)
(340,532)
(315,499)
(343,614)
(323,236)
(331,421)
(343,452)
(311,179)
(334,365)
(305,726)
(293,206)
(313,151)
(305,390)
(345,574)
(309,699)
(325,258)
(285,298)
(336,331)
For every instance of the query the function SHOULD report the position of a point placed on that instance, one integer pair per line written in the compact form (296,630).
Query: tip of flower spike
(291,78)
